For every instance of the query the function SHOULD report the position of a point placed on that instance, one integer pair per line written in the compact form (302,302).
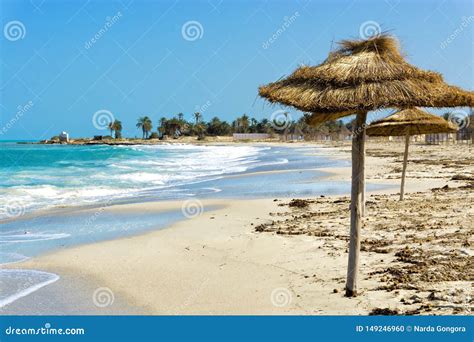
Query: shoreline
(146,191)
(62,209)
(216,263)
(138,141)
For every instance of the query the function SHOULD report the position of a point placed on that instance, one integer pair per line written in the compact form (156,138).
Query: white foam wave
(20,283)
(29,237)
(11,258)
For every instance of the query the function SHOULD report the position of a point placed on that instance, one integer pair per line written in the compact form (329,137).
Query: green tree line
(177,126)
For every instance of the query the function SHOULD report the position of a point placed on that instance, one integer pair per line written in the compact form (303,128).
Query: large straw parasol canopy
(411,121)
(364,75)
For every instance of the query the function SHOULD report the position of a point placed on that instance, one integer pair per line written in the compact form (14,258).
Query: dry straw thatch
(316,119)
(407,122)
(411,121)
(362,76)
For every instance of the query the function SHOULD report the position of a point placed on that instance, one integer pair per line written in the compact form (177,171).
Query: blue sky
(54,78)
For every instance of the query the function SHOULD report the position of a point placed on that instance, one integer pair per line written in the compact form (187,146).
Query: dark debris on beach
(426,238)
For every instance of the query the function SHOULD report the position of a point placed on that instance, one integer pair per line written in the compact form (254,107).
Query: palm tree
(148,127)
(197,117)
(244,123)
(162,127)
(111,127)
(145,124)
(174,126)
(117,127)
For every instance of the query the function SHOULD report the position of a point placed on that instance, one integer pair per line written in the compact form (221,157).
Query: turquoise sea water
(36,177)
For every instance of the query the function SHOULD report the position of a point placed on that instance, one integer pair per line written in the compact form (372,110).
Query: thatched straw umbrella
(408,122)
(358,77)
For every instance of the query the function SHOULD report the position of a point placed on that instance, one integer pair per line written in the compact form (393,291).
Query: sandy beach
(255,171)
(278,256)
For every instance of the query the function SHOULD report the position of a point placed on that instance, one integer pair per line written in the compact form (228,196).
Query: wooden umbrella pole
(356,203)
(362,178)
(405,159)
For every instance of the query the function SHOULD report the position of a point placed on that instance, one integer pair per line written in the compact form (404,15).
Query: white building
(64,136)
(250,136)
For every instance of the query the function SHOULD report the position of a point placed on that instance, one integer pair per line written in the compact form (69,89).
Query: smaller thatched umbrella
(408,122)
